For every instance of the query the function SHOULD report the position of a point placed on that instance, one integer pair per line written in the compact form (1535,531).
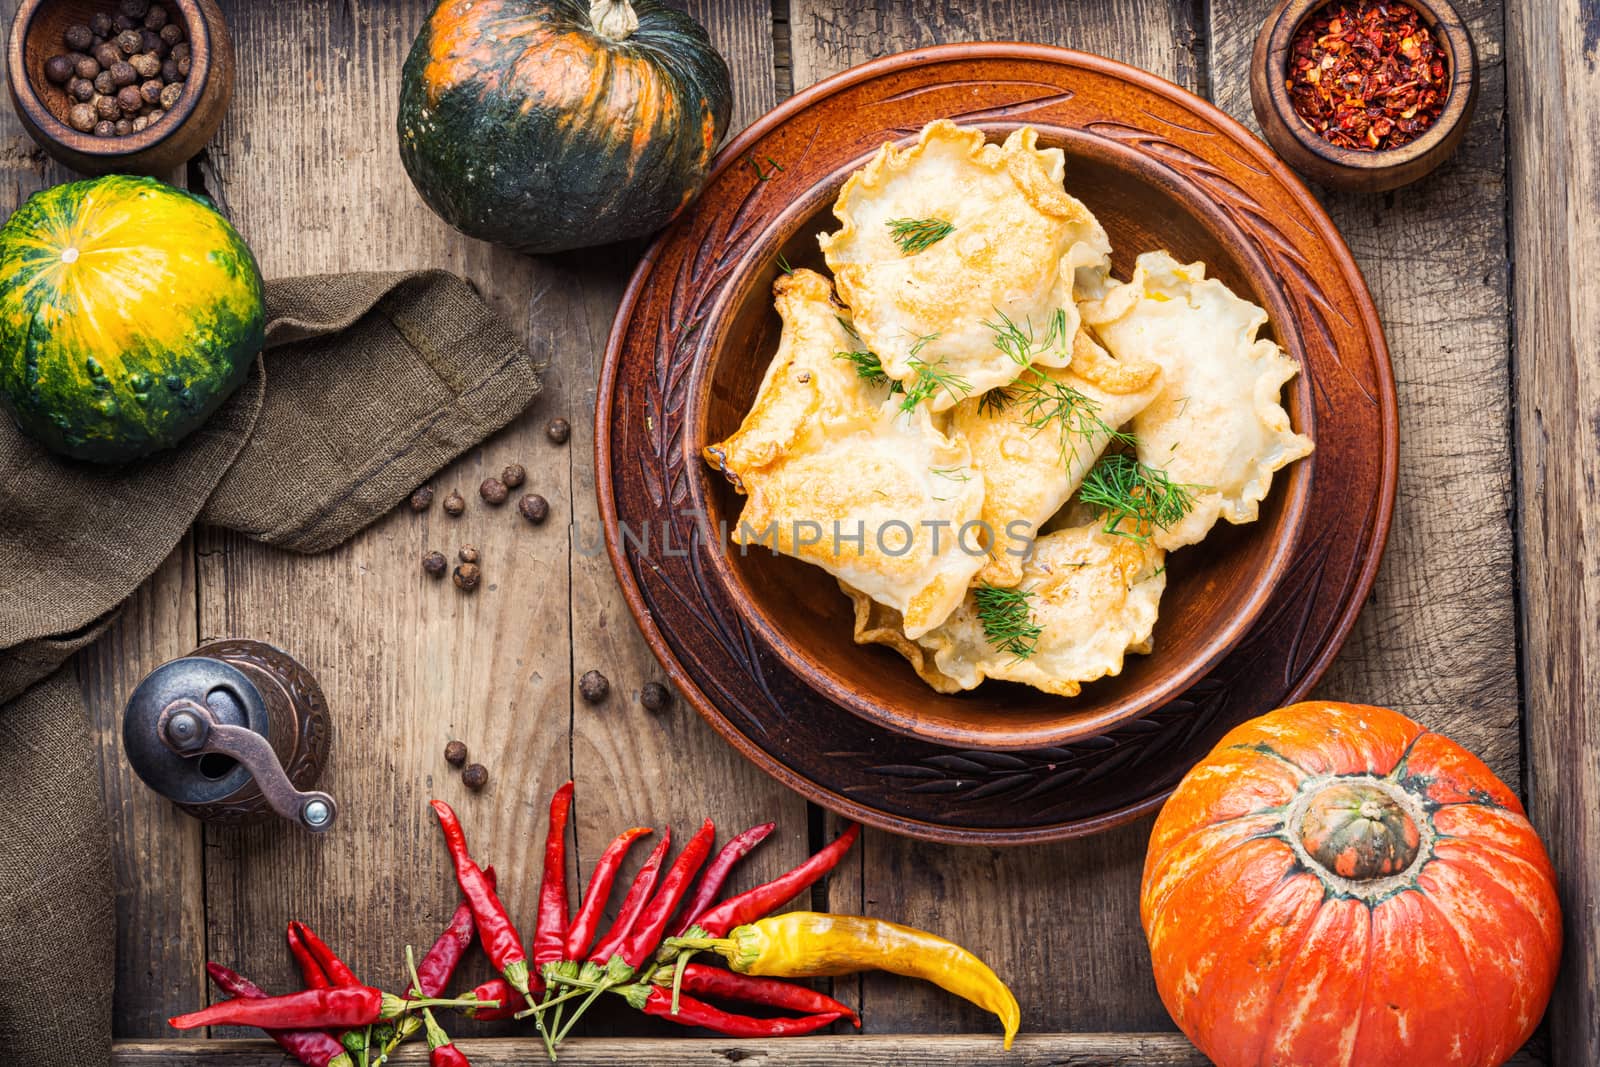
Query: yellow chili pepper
(808,944)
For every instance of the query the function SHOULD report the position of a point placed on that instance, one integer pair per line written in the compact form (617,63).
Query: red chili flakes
(1367,74)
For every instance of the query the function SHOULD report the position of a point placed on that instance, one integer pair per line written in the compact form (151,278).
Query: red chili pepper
(313,1009)
(752,904)
(717,873)
(501,942)
(581,936)
(314,1048)
(633,903)
(310,970)
(653,1000)
(447,1055)
(550,929)
(775,992)
(439,965)
(496,989)
(647,934)
(335,968)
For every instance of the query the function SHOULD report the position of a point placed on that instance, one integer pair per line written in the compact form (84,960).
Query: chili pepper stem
(615,973)
(543,1004)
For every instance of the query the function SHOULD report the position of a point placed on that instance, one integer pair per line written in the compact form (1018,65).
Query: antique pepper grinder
(230,732)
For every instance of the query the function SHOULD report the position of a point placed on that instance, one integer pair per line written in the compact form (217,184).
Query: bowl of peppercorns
(1364,95)
(128,86)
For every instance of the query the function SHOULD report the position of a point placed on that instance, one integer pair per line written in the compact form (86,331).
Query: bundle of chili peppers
(340,1022)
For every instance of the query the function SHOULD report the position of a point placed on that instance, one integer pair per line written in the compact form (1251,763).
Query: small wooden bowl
(1344,168)
(43,107)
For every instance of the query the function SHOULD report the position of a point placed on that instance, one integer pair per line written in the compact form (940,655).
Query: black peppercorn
(467,576)
(593,687)
(468,553)
(170,95)
(58,69)
(130,99)
(101,25)
(105,128)
(86,67)
(151,91)
(455,503)
(534,508)
(455,753)
(171,34)
(493,491)
(655,696)
(558,431)
(155,18)
(514,475)
(79,37)
(130,41)
(134,9)
(422,498)
(475,777)
(434,564)
(82,117)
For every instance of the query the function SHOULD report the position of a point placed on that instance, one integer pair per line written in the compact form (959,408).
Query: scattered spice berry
(655,696)
(422,498)
(82,117)
(58,69)
(105,128)
(134,9)
(558,430)
(593,687)
(1367,74)
(475,777)
(493,491)
(534,508)
(115,65)
(130,41)
(102,25)
(86,67)
(455,753)
(81,90)
(514,475)
(435,564)
(455,503)
(78,37)
(467,576)
(468,554)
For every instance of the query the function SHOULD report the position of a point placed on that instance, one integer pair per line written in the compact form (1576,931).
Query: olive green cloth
(370,384)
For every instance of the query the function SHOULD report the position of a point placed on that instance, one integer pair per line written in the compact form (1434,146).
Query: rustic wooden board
(1554,123)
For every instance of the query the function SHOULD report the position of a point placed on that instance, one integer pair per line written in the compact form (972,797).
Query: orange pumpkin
(1335,886)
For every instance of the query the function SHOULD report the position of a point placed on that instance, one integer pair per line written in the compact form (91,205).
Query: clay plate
(661,394)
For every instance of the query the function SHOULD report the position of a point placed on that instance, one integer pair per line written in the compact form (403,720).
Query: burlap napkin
(371,383)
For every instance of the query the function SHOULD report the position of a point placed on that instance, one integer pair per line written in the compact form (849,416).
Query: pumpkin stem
(1359,831)
(613,19)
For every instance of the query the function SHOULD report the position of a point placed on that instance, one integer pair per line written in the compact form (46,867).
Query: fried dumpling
(1036,439)
(1218,426)
(837,475)
(1087,598)
(958,259)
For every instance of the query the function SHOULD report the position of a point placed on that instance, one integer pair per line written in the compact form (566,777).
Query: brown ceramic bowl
(43,107)
(1345,168)
(1215,590)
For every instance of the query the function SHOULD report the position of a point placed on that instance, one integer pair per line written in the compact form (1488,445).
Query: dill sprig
(1007,620)
(914,235)
(1017,340)
(1043,400)
(995,401)
(928,379)
(785,266)
(868,366)
(955,474)
(1124,488)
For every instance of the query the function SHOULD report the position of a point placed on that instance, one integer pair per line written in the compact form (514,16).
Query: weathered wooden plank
(307,167)
(1554,123)
(156,850)
(1030,1050)
(1060,923)
(1436,641)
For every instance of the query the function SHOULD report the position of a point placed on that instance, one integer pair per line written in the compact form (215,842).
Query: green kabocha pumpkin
(129,310)
(544,125)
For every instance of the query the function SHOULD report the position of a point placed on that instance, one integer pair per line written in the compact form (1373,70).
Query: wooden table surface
(1481,623)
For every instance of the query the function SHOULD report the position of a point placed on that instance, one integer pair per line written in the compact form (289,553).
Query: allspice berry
(593,687)
(105,128)
(81,90)
(86,67)
(124,127)
(434,564)
(455,503)
(102,25)
(171,34)
(128,96)
(58,69)
(534,508)
(172,93)
(422,498)
(468,553)
(105,84)
(82,117)
(108,56)
(514,475)
(455,753)
(78,37)
(147,64)
(467,576)
(655,696)
(135,9)
(106,107)
(129,42)
(475,777)
(493,491)
(558,431)
(155,18)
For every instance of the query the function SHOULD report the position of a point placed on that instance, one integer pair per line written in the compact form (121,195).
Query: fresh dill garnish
(868,366)
(1017,340)
(994,401)
(1124,488)
(913,235)
(1007,620)
(1043,400)
(846,326)
(923,342)
(783,264)
(927,379)
(955,474)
